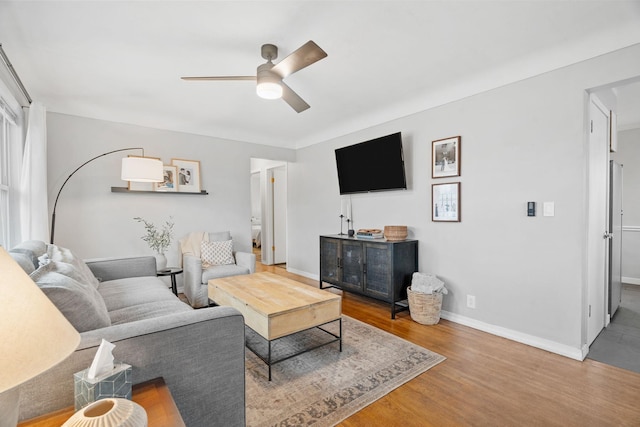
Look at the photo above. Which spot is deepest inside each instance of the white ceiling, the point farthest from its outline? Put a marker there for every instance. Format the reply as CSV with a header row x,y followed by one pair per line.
x,y
122,60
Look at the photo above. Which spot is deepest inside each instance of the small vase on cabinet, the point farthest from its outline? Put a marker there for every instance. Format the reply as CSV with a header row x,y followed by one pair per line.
x,y
161,261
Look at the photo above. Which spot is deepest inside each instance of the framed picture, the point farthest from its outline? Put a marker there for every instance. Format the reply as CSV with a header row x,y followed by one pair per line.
x,y
141,186
170,175
445,202
445,157
188,175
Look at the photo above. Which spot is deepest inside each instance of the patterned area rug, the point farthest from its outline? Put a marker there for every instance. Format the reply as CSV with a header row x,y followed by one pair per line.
x,y
324,386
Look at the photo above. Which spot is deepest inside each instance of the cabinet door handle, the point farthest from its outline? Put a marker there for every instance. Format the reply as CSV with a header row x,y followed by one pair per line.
x,y
364,268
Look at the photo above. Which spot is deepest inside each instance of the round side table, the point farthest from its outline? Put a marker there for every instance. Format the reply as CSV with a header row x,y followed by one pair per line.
x,y
171,271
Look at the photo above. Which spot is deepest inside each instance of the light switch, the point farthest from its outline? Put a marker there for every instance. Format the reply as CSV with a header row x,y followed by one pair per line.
x,y
548,209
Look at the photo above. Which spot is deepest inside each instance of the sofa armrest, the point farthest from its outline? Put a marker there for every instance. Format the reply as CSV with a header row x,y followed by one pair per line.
x,y
106,269
246,259
192,269
200,355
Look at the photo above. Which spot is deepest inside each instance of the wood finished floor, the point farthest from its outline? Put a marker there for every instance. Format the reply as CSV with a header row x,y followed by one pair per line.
x,y
491,381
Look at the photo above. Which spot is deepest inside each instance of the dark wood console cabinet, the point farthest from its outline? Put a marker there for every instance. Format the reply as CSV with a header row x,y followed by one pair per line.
x,y
375,268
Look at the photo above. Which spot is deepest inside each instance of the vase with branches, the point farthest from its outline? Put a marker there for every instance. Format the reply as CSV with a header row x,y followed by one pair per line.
x,y
158,238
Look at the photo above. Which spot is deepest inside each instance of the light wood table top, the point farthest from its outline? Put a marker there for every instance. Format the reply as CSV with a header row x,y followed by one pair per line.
x,y
154,396
275,306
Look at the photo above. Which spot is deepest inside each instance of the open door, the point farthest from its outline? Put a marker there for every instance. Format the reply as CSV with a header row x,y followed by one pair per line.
x,y
598,235
615,241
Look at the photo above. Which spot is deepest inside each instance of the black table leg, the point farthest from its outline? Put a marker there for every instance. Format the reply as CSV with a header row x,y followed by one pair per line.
x,y
174,287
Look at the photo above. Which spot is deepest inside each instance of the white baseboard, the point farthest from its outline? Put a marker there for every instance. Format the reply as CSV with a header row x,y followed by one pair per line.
x,y
631,280
552,346
303,273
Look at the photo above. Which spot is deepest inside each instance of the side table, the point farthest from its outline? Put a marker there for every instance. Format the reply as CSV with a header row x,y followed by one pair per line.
x,y
154,396
171,271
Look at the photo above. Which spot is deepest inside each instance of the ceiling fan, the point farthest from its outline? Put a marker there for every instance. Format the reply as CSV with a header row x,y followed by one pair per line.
x,y
269,76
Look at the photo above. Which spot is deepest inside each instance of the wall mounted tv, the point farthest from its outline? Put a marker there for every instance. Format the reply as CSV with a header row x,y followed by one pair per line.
x,y
374,165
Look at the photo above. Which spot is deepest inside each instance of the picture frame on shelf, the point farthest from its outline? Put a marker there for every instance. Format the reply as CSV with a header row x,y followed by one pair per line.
x,y
188,175
445,202
170,183
141,186
445,157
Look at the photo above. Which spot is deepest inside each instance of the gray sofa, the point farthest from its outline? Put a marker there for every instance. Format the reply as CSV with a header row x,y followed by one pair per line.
x,y
199,353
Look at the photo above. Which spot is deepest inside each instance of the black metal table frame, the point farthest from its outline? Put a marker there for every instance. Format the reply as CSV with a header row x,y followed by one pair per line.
x,y
396,305
171,271
269,362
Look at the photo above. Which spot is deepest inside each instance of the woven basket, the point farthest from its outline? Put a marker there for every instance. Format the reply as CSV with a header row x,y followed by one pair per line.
x,y
395,232
424,308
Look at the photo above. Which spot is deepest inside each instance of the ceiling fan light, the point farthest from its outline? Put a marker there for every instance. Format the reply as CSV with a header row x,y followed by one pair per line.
x,y
269,90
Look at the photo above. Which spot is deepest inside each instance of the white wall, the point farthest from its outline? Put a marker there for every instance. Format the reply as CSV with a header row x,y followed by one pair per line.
x,y
95,222
629,156
522,142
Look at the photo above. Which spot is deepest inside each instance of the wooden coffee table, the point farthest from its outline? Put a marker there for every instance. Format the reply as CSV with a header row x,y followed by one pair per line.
x,y
275,307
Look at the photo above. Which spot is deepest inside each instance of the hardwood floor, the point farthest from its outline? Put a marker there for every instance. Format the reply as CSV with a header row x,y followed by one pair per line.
x,y
491,381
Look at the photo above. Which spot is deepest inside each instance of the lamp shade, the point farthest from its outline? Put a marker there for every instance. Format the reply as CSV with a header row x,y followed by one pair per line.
x,y
141,169
269,90
35,336
268,86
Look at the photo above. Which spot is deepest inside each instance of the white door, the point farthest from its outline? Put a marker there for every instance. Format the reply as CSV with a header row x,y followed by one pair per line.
x,y
597,241
279,215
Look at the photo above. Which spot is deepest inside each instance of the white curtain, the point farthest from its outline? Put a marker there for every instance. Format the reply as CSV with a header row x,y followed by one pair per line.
x,y
34,212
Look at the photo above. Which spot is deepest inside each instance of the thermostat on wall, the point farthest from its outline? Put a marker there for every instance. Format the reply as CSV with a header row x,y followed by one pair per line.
x,y
531,208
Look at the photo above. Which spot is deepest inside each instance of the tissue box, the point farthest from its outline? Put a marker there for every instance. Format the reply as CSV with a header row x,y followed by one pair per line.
x,y
116,383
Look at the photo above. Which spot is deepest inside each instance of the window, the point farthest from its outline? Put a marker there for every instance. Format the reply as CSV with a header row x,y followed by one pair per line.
x,y
9,132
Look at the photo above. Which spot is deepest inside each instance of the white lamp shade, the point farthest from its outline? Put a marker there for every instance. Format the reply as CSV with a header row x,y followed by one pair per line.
x,y
35,336
269,90
141,169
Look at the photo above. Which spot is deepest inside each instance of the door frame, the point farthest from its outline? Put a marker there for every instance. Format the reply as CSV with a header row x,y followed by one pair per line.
x,y
616,212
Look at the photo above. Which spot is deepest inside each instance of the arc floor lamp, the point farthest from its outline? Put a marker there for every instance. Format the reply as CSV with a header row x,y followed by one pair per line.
x,y
134,168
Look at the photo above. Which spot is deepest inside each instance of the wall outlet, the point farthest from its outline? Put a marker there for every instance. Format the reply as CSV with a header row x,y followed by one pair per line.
x,y
471,301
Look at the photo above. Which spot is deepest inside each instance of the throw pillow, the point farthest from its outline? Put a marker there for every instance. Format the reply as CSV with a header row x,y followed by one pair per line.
x,y
216,253
81,304
60,254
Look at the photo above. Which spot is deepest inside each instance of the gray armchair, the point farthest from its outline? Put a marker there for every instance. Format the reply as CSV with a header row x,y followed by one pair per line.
x,y
196,278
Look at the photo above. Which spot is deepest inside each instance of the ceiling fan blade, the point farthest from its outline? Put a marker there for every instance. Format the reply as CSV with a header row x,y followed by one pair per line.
x,y
293,99
306,55
221,78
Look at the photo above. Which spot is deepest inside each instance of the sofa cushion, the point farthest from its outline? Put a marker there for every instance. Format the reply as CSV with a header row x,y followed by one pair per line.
x,y
219,271
216,253
60,254
131,291
79,303
147,310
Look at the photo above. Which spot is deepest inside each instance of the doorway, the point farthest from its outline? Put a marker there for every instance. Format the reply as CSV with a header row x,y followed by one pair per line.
x,y
269,211
618,343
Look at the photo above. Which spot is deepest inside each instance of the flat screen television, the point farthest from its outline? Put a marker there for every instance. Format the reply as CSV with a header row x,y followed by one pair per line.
x,y
374,165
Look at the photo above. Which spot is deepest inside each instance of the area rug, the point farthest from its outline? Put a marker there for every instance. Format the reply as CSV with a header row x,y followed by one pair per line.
x,y
325,386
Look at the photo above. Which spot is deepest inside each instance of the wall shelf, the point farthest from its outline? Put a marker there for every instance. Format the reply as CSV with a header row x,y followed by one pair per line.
x,y
126,190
